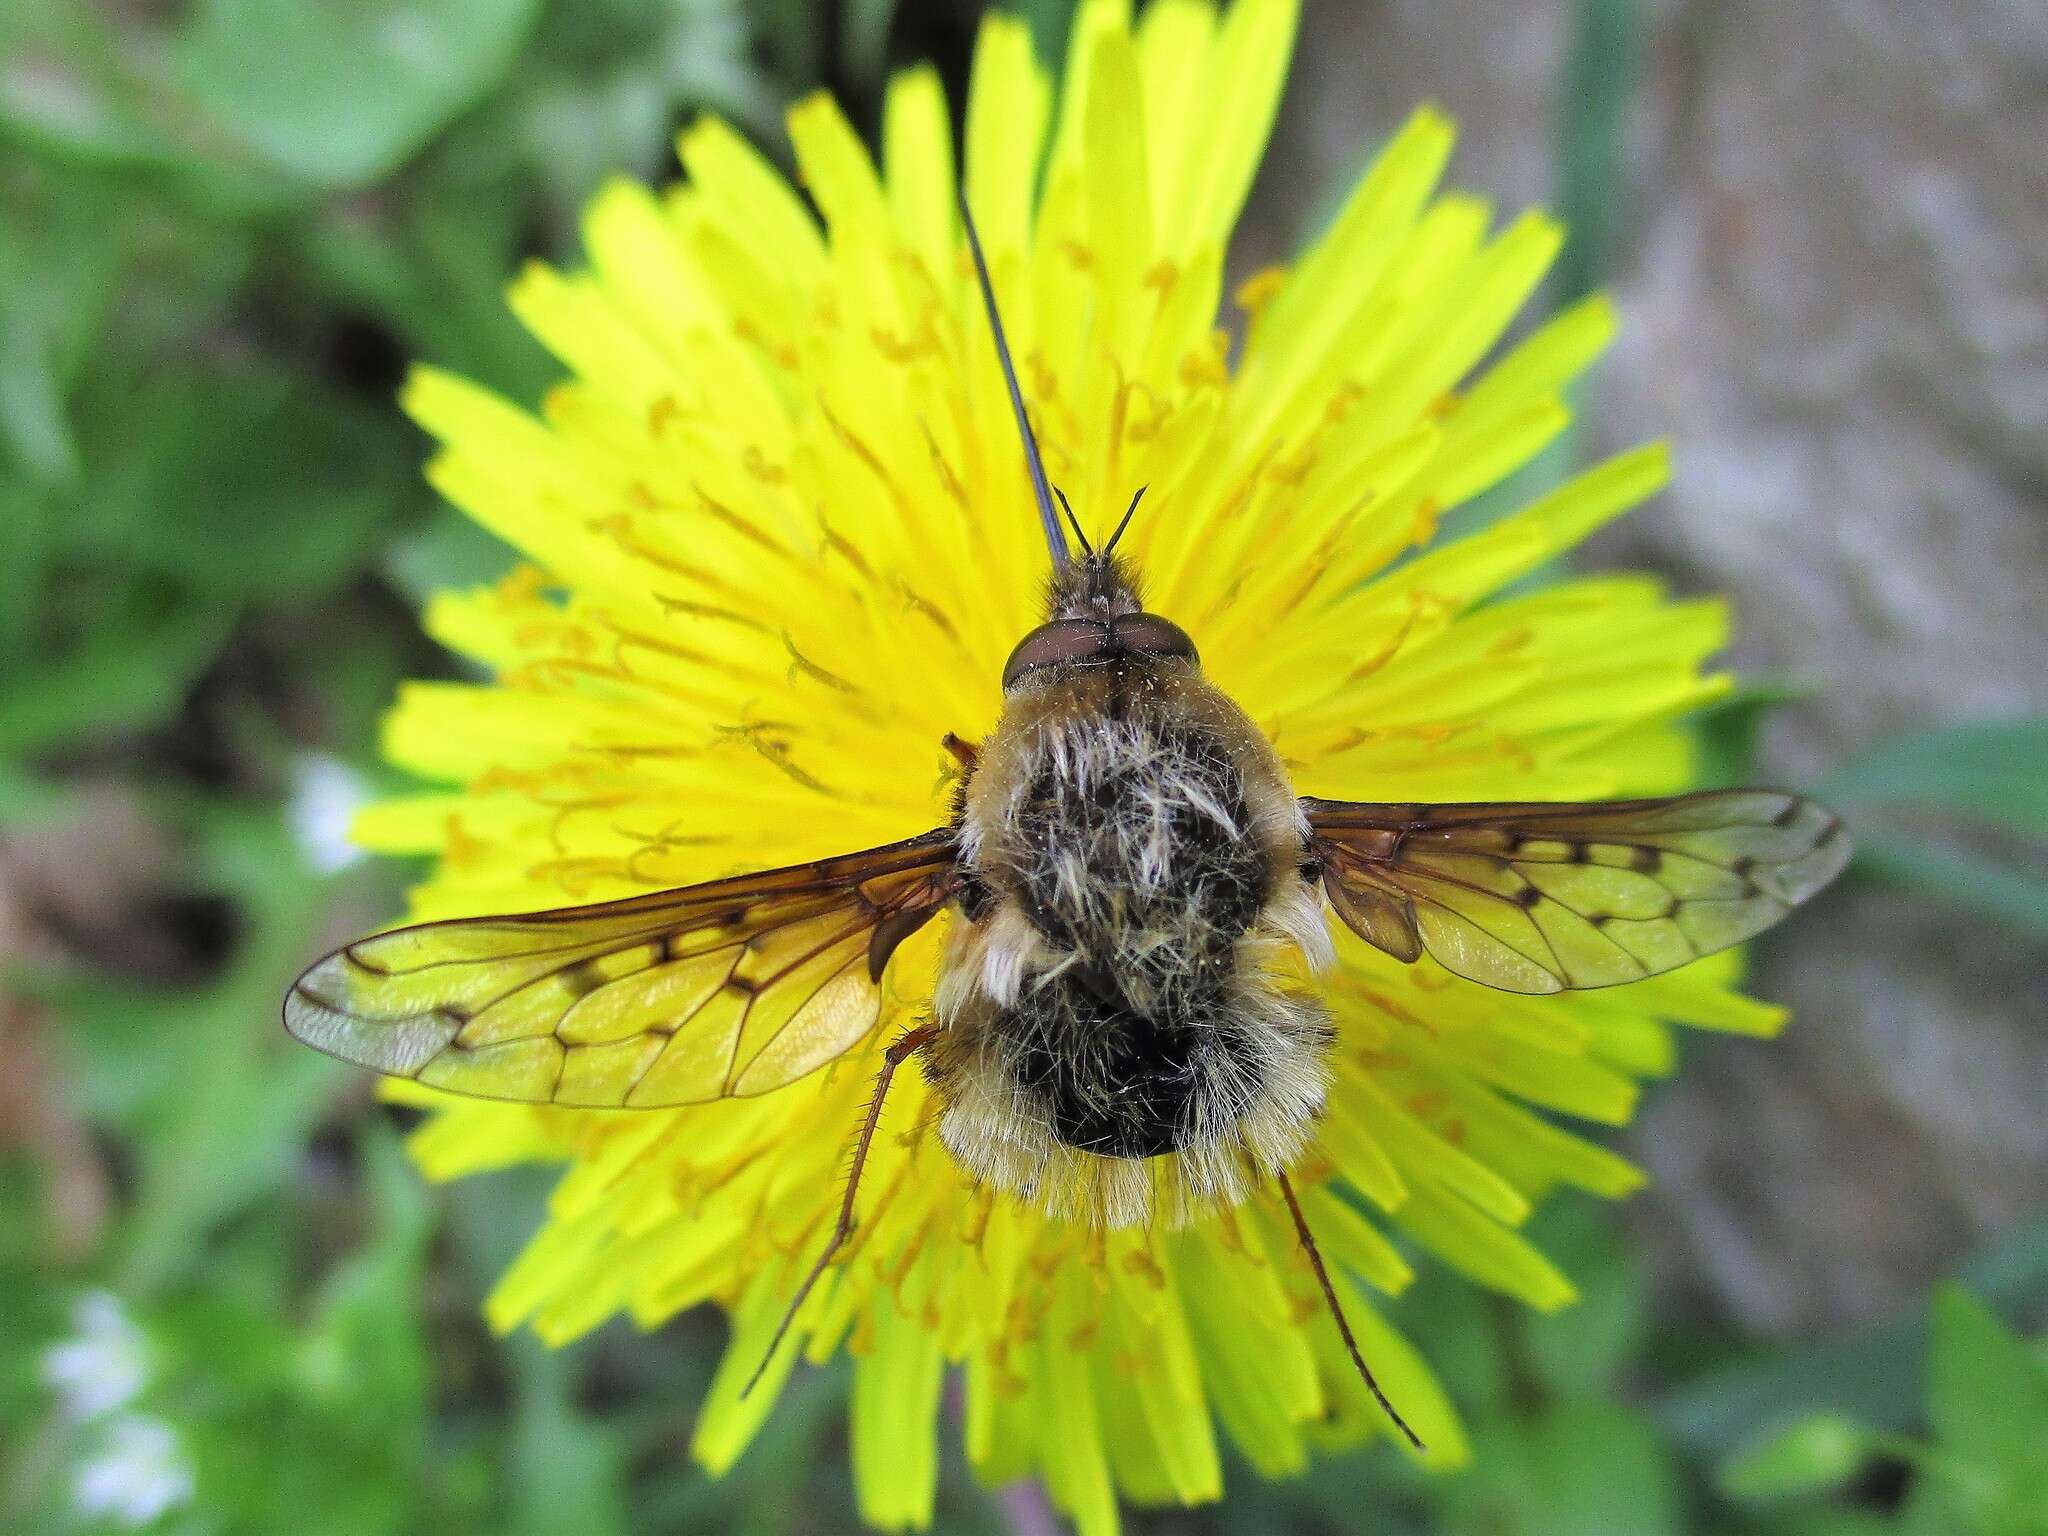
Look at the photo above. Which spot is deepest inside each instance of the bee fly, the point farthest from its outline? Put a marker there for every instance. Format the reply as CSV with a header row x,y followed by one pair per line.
x,y
1121,1024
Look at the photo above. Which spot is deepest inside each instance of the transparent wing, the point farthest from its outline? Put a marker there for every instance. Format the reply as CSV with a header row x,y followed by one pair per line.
x,y
1541,897
727,989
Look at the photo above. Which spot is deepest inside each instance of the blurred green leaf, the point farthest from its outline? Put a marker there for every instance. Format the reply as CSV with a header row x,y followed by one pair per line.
x,y
437,280
28,799
32,418
218,1102
791,39
1583,1349
615,78
239,1110
1729,730
1050,21
1962,877
564,1470
320,1429
242,484
567,1472
1807,1521
1990,770
1597,92
1984,777
130,672
448,550
87,124
341,94
1812,1455
865,38
356,1347
81,126
1871,1376
59,266
1577,1469
24,513
1987,1405
793,1460
65,90
1466,1331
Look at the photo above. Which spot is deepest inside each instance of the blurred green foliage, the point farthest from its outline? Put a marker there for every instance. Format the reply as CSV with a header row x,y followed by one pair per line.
x,y
1983,1465
1960,812
231,1307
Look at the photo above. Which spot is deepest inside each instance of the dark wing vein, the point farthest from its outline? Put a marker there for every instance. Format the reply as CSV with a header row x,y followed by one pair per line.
x,y
733,987
1540,897
775,978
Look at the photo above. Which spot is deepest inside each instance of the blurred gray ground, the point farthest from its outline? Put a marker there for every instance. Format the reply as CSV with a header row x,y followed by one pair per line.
x,y
1832,265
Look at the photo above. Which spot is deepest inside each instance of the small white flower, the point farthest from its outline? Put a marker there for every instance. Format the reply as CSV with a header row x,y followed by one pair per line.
x,y
137,1474
326,794
103,1366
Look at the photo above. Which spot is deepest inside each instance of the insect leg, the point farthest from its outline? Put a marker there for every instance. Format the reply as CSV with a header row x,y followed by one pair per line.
x,y
966,751
1315,1260
892,1058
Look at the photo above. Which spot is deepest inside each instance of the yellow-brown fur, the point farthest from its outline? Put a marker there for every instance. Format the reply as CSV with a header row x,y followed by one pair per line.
x,y
1121,1032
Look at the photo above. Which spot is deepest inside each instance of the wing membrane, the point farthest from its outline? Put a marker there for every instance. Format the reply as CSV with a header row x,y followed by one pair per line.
x,y
1531,896
727,989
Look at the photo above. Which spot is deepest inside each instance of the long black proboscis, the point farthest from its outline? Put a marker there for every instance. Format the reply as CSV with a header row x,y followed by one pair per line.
x,y
1055,536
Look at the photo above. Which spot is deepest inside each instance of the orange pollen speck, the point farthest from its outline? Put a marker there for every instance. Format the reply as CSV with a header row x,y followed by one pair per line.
x,y
1260,289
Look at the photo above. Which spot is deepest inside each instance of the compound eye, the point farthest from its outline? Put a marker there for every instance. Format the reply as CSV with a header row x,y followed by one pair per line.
x,y
1061,642
1147,634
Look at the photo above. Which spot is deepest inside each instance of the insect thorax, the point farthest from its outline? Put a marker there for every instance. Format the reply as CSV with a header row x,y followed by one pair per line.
x,y
1116,996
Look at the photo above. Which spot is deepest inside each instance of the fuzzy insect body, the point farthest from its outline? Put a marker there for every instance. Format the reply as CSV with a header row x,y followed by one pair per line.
x,y
1124,982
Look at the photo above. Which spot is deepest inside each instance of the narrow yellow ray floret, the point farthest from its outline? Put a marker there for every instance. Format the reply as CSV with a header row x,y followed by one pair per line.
x,y
778,543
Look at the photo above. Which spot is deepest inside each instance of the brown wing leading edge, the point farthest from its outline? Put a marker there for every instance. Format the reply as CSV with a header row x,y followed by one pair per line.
x,y
726,989
1543,897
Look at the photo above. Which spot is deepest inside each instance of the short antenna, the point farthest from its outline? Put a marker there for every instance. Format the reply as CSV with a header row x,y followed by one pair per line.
x,y
1074,522
1055,538
1136,497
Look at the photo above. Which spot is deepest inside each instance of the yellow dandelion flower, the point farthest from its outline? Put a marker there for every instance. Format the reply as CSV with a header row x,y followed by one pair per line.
x,y
780,546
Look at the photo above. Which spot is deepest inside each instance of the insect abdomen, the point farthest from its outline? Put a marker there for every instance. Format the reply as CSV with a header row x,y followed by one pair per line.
x,y
1119,1083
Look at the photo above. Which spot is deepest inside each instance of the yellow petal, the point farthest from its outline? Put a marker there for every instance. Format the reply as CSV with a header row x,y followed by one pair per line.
x,y
895,1405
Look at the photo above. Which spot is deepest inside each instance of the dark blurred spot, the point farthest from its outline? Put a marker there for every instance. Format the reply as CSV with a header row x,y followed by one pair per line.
x,y
200,928
362,355
1881,1485
942,34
